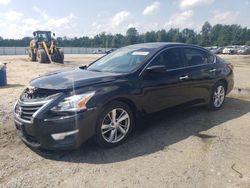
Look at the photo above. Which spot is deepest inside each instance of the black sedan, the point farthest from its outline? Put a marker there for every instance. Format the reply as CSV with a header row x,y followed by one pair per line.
x,y
63,109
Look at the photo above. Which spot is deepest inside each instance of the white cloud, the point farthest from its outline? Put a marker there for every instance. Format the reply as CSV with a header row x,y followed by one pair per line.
x,y
247,2
149,26
151,9
12,15
181,20
63,22
41,12
120,18
119,23
5,2
224,17
187,4
13,26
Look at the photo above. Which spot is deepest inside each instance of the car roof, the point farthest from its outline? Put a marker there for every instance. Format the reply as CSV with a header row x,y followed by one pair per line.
x,y
160,45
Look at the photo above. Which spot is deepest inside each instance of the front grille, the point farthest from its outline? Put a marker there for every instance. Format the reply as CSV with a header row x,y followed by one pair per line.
x,y
37,93
31,100
25,110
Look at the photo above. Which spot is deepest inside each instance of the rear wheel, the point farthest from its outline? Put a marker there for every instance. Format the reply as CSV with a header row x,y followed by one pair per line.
x,y
114,125
41,56
62,56
218,96
58,56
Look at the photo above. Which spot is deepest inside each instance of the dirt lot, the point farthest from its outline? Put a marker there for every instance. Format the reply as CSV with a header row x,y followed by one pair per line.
x,y
190,148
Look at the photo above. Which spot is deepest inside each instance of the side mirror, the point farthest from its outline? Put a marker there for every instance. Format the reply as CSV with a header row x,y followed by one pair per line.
x,y
156,69
34,34
54,34
84,67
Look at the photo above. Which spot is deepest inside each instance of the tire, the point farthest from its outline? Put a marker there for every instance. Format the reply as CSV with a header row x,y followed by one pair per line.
x,y
41,56
218,96
32,55
106,127
58,56
62,56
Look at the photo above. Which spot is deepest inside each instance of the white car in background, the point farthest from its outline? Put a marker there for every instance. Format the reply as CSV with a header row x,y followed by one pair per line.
x,y
244,50
215,50
229,50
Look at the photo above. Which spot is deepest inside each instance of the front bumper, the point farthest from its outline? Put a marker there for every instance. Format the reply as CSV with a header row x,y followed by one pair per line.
x,y
56,133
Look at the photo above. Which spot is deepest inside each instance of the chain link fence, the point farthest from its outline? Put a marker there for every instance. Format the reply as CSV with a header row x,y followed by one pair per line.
x,y
67,50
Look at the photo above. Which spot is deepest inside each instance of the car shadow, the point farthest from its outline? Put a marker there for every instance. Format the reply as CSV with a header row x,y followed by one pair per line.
x,y
11,86
158,132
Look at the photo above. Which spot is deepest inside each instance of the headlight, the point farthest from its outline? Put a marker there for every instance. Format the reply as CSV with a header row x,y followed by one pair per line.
x,y
74,103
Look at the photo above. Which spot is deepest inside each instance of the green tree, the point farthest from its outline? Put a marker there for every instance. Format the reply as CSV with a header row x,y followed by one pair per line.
x,y
161,36
118,41
173,35
189,36
132,35
150,36
220,35
206,34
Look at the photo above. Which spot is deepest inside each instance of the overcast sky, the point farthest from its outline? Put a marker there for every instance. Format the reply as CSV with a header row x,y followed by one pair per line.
x,y
19,18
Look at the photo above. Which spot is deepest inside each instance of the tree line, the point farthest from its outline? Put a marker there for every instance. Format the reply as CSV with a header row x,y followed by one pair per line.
x,y
217,35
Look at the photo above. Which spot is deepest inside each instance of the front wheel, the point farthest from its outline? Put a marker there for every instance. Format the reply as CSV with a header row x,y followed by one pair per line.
x,y
41,56
114,125
218,96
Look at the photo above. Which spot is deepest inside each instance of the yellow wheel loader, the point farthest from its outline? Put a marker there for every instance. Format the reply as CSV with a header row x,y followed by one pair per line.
x,y
43,48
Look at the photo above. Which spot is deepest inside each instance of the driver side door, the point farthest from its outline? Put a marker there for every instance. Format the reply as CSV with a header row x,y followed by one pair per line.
x,y
167,88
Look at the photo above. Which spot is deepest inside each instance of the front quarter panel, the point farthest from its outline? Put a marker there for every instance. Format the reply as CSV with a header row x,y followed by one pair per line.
x,y
119,89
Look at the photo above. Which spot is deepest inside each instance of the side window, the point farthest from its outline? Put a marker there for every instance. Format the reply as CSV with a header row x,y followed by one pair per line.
x,y
195,57
210,58
171,58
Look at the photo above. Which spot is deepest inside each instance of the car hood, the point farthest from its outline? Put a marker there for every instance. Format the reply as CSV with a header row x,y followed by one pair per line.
x,y
71,78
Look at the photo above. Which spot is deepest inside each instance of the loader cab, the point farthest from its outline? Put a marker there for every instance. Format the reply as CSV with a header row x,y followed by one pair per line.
x,y
40,36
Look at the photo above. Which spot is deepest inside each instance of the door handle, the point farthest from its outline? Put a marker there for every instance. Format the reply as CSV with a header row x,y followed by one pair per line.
x,y
212,70
184,77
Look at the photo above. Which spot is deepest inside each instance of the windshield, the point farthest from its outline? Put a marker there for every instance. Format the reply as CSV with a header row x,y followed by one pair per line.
x,y
123,60
43,37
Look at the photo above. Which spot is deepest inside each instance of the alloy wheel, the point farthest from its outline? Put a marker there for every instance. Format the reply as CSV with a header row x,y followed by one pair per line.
x,y
115,125
219,96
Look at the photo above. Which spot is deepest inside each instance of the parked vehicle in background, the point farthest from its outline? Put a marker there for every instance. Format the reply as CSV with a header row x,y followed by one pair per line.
x,y
63,109
229,50
110,51
243,50
99,51
216,50
44,48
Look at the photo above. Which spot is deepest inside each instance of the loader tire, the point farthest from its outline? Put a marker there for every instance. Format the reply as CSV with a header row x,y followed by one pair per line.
x,y
32,55
41,56
62,56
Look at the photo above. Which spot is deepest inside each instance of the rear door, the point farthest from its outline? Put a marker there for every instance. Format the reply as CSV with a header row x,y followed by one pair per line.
x,y
201,69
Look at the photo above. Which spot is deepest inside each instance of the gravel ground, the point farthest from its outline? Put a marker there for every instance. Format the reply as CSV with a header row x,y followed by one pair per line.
x,y
188,148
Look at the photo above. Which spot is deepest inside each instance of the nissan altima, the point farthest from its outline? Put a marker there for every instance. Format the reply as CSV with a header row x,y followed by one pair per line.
x,y
63,109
